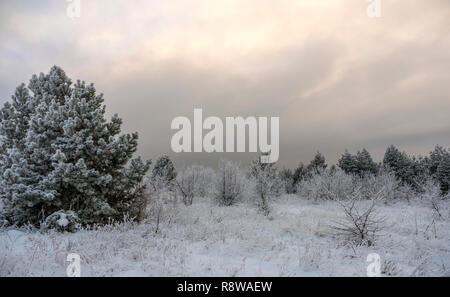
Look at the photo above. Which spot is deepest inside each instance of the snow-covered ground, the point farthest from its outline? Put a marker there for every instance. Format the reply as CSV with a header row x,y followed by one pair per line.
x,y
207,240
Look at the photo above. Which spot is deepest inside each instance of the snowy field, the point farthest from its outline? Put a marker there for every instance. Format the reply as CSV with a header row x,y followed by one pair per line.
x,y
207,240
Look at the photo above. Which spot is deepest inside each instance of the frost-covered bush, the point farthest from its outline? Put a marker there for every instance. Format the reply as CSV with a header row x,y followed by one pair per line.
x,y
384,185
286,177
194,181
429,190
187,182
431,194
388,184
266,182
205,181
60,152
230,183
327,185
62,220
405,192
335,184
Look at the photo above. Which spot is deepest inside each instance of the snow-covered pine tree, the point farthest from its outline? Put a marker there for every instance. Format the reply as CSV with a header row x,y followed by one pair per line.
x,y
392,158
164,173
14,120
443,174
64,154
14,117
365,163
317,164
420,170
348,163
436,157
300,173
361,164
402,165
287,178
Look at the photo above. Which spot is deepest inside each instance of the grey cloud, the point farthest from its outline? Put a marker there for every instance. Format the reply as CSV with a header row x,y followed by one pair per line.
x,y
328,96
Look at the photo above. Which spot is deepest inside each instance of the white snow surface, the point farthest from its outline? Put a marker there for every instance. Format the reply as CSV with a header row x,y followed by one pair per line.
x,y
208,240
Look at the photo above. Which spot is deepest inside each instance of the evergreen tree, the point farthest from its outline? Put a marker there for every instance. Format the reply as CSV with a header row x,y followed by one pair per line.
x,y
392,158
287,177
420,169
317,164
62,154
443,174
333,169
436,157
365,164
348,163
300,174
164,173
14,124
402,166
14,118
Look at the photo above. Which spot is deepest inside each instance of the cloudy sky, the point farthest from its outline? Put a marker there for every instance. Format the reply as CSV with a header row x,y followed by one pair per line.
x,y
336,78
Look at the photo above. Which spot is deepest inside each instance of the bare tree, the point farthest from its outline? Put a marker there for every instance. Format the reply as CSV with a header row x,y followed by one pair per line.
x,y
194,181
186,181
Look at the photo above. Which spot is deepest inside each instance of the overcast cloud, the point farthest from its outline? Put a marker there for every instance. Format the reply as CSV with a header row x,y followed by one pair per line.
x,y
336,78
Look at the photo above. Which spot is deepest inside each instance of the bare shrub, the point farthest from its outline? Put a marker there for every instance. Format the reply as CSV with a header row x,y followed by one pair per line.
x,y
337,185
360,224
388,184
229,183
384,184
161,205
194,181
430,193
186,182
205,180
266,183
160,192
